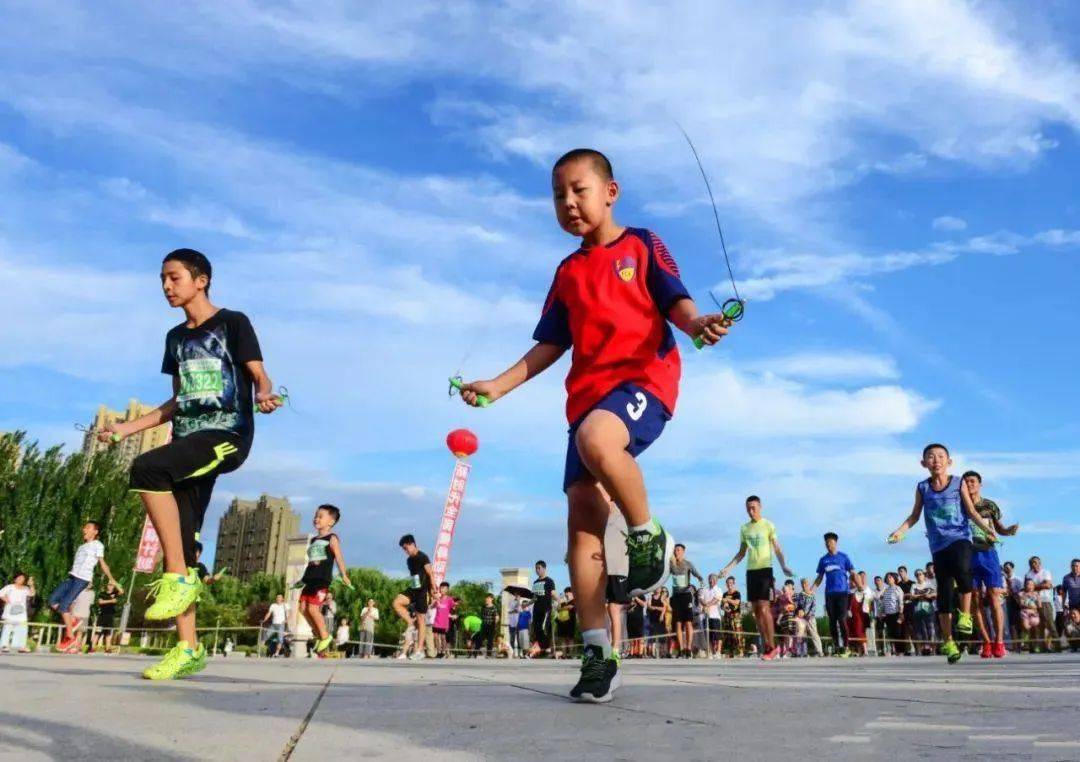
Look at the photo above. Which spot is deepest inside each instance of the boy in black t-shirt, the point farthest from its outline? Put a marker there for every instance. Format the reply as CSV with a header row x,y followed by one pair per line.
x,y
543,597
323,551
214,360
489,625
412,605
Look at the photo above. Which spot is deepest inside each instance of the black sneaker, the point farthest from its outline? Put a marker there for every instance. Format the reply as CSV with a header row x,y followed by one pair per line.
x,y
650,560
599,677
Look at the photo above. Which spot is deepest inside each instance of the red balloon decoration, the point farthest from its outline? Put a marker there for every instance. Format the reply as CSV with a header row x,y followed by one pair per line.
x,y
462,443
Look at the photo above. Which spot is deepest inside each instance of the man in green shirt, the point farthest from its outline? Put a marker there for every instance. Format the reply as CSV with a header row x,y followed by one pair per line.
x,y
757,543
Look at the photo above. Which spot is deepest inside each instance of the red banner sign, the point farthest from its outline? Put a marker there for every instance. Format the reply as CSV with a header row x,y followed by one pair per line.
x,y
451,510
149,548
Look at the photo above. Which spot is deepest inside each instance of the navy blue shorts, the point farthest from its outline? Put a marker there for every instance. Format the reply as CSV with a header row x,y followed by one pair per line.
x,y
66,592
641,411
986,569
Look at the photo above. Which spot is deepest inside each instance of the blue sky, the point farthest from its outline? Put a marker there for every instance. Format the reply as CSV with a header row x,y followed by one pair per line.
x,y
896,181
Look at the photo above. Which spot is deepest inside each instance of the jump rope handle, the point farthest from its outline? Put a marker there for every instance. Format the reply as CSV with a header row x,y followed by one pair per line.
x,y
481,400
733,310
281,398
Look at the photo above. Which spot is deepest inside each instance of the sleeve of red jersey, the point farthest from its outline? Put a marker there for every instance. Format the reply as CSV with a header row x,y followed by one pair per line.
x,y
663,278
554,325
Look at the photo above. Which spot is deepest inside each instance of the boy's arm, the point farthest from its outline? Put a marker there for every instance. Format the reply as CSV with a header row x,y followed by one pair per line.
x,y
738,558
105,568
159,415
339,559
817,581
431,578
265,398
780,557
538,359
696,573
709,328
910,521
973,515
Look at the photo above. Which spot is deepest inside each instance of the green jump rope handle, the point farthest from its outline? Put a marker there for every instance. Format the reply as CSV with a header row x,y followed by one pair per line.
x,y
733,310
281,399
115,439
481,400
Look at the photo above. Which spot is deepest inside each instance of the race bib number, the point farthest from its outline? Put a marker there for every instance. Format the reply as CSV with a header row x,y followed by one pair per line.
x,y
200,379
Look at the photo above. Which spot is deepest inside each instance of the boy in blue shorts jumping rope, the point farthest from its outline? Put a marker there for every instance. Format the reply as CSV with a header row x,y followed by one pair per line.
x,y
611,301
214,360
986,577
946,506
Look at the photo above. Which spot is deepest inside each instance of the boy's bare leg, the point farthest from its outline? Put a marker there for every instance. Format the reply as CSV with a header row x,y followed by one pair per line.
x,y
401,608
764,622
315,619
165,516
615,616
587,520
601,440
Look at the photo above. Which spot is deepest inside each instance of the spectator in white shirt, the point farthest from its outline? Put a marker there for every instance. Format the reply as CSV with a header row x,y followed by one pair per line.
x,y
1044,584
16,598
710,601
368,617
278,615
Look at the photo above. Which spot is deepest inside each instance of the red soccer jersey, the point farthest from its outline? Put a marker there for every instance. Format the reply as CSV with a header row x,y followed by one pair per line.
x,y
610,303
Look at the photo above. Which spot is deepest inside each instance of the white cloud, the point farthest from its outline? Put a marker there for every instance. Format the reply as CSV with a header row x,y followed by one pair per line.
x,y
727,403
827,366
948,223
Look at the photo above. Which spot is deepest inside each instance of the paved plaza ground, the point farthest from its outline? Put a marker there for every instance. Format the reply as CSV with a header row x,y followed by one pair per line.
x,y
96,707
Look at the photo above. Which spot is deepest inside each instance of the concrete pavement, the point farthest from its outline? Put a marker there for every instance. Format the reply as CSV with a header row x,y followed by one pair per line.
x,y
96,707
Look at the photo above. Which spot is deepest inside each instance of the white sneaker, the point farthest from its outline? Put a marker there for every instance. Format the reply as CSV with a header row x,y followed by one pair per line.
x,y
401,656
418,656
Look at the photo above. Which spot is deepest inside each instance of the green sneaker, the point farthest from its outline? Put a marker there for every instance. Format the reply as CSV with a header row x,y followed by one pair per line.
x,y
951,651
649,554
173,595
963,623
181,661
322,645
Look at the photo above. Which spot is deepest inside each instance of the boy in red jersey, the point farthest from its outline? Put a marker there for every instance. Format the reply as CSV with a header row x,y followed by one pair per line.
x,y
611,301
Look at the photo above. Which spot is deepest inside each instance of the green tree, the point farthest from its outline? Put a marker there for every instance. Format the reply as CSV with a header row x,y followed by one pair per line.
x,y
46,497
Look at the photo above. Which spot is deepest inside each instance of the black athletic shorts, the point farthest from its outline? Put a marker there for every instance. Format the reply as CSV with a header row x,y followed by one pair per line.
x,y
617,590
418,600
188,467
759,584
715,627
952,564
682,607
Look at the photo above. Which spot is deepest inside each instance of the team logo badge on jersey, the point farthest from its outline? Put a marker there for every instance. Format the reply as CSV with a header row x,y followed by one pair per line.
x,y
626,267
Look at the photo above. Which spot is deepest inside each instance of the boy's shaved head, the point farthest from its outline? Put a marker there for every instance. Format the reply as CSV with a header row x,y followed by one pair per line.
x,y
600,162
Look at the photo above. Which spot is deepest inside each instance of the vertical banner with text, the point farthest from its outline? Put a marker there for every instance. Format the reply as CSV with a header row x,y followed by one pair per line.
x,y
149,547
451,510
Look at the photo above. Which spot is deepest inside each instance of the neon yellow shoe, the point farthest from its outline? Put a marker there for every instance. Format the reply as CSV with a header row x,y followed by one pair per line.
x,y
173,595
181,661
951,651
322,645
963,623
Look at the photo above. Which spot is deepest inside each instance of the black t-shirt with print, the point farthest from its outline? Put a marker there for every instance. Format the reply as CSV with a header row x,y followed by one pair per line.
x,y
215,392
320,562
489,615
542,589
420,578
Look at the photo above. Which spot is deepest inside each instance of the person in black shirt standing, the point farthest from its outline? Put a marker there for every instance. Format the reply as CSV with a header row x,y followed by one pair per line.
x,y
543,598
412,605
106,603
489,625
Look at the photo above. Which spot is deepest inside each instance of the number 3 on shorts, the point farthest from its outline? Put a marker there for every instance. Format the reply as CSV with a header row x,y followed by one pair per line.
x,y
635,411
